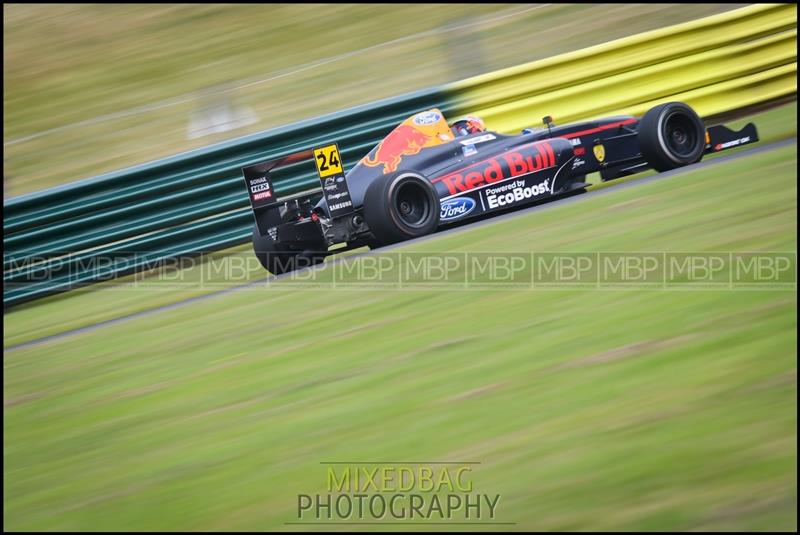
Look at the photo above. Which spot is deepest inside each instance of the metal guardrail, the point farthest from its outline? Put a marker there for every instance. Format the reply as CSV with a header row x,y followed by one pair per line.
x,y
196,201
716,64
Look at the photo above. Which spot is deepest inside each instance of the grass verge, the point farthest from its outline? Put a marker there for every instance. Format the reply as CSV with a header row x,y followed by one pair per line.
x,y
606,409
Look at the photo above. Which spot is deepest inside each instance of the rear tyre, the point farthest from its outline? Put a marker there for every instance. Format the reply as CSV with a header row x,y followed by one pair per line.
x,y
671,135
401,206
279,259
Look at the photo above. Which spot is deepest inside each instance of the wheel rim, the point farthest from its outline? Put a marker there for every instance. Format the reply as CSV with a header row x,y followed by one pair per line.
x,y
412,205
680,134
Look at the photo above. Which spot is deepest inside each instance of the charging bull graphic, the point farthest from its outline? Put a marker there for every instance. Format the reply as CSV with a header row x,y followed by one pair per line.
x,y
404,141
426,129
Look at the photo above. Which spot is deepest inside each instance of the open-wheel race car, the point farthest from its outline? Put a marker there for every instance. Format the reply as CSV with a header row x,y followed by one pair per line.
x,y
427,175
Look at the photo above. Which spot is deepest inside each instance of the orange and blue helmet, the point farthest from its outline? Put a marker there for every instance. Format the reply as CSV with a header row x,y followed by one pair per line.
x,y
468,125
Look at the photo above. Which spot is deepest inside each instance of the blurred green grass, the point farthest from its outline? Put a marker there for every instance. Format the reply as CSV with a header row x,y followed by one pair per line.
x,y
132,294
69,63
615,409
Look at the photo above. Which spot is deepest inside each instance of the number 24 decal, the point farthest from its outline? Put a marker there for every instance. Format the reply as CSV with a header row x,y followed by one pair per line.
x,y
323,166
328,160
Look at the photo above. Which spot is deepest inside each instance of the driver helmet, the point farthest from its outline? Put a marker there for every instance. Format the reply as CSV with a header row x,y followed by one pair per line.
x,y
468,125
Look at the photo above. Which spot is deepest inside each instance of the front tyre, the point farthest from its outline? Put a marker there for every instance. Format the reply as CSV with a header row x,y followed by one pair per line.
x,y
671,135
401,206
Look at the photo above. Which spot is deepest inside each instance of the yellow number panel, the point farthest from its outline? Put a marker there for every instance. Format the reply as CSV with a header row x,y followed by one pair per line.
x,y
328,161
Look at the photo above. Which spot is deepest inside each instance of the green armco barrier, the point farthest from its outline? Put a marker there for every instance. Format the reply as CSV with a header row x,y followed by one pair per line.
x,y
51,237
195,202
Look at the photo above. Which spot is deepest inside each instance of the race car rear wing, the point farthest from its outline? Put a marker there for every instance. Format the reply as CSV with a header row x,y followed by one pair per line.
x,y
261,191
264,200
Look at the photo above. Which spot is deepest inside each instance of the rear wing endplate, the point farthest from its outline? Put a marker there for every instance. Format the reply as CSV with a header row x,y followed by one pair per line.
x,y
261,190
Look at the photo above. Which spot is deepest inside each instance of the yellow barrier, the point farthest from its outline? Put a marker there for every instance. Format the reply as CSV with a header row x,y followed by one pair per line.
x,y
715,64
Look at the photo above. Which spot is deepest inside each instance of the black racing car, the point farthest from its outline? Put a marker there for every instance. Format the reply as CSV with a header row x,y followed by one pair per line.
x,y
422,177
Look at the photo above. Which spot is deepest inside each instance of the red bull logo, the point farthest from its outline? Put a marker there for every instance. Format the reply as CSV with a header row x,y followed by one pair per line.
x,y
534,158
405,140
